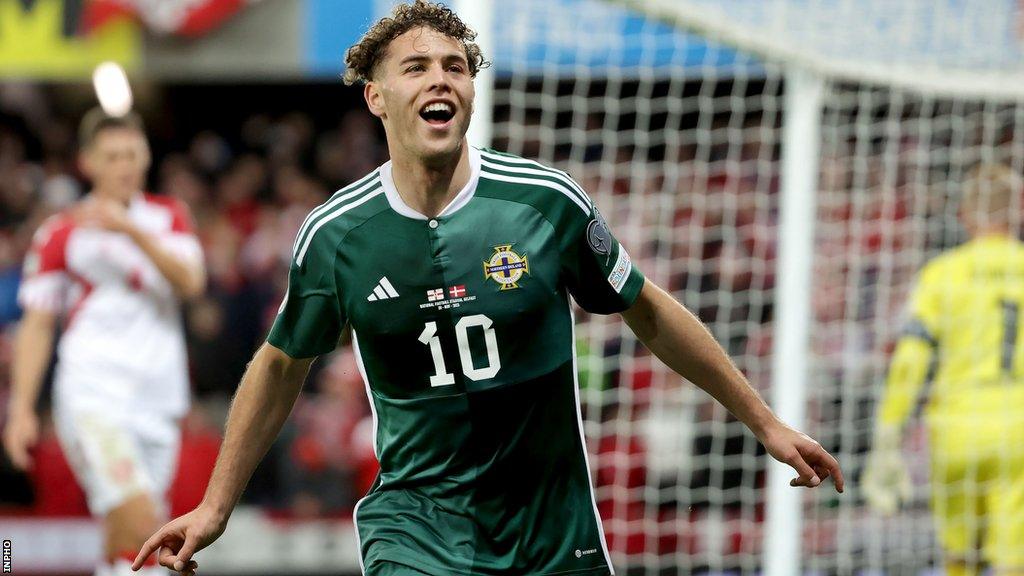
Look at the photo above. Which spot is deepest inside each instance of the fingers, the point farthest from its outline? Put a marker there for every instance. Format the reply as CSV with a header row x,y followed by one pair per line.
x,y
814,464
807,476
835,470
148,548
20,458
822,459
181,560
17,448
881,498
822,473
168,559
882,484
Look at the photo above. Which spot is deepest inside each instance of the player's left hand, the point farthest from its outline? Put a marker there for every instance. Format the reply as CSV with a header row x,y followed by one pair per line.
x,y
103,213
813,464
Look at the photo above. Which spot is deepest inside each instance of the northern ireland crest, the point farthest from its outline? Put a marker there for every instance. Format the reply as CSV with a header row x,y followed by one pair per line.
x,y
506,267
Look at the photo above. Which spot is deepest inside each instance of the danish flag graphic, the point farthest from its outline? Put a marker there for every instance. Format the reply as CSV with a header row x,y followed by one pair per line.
x,y
457,291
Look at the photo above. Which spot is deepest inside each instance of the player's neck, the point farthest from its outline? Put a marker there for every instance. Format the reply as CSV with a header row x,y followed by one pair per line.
x,y
428,187
110,196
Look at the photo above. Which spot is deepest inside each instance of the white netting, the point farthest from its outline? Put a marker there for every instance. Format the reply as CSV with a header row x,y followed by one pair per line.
x,y
893,165
673,123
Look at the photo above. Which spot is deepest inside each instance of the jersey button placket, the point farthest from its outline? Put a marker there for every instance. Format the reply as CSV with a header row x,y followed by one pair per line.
x,y
436,244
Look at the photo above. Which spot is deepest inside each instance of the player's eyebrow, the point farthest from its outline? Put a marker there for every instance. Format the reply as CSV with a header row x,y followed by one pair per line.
x,y
424,58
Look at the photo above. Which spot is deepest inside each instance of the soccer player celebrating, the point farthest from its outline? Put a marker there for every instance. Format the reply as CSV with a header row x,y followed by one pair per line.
x,y
454,266
962,355
123,260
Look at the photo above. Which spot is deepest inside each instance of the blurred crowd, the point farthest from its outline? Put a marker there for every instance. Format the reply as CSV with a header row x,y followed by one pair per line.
x,y
249,187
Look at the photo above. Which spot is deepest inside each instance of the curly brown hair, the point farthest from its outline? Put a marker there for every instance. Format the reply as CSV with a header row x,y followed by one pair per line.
x,y
361,59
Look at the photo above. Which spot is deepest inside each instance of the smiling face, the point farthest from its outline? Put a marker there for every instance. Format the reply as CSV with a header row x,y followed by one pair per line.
x,y
423,92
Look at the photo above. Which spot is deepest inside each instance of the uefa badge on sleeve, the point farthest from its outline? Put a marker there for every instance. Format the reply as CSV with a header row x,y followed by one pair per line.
x,y
598,237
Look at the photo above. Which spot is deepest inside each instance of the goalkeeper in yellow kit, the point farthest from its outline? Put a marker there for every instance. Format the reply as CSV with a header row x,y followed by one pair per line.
x,y
963,355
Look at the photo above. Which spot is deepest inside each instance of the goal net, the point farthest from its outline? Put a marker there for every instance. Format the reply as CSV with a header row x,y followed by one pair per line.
x,y
670,113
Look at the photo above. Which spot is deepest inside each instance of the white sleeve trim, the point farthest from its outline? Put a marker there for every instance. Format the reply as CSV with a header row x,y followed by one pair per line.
x,y
43,292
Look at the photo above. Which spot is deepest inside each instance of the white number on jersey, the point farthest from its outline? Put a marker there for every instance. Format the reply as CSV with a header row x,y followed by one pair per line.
x,y
443,377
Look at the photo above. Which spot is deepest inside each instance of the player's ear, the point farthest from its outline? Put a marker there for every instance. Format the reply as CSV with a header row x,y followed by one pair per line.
x,y
86,163
374,99
147,155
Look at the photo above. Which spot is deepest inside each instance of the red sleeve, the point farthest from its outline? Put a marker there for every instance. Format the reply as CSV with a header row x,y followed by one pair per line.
x,y
181,216
45,277
183,222
49,247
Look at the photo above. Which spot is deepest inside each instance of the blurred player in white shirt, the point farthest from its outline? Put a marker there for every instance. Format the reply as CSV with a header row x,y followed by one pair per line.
x,y
114,269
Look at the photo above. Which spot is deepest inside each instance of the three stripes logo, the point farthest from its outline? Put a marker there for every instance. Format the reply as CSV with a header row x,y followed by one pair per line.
x,y
382,291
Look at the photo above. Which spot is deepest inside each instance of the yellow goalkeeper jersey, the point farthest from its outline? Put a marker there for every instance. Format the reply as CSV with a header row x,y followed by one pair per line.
x,y
962,352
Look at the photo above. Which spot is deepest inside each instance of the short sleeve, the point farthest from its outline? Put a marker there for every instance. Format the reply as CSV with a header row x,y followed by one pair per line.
x,y
181,218
45,280
599,272
310,319
182,240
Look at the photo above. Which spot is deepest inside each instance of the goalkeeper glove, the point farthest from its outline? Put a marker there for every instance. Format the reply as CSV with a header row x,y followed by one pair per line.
x,y
885,481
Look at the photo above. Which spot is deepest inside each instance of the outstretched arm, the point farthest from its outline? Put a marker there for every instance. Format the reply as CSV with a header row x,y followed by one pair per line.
x,y
682,342
262,404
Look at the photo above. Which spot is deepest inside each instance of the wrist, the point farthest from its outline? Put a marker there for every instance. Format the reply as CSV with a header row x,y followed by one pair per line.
x,y
20,408
764,424
220,512
134,232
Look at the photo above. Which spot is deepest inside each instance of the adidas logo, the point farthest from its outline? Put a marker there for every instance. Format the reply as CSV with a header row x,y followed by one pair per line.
x,y
383,291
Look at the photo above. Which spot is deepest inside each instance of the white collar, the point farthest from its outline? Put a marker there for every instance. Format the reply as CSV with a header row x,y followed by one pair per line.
x,y
460,200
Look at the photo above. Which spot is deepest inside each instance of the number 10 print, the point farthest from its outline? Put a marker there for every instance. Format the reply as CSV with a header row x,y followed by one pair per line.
x,y
443,377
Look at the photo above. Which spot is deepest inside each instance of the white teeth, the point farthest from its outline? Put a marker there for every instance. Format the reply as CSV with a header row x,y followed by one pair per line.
x,y
439,107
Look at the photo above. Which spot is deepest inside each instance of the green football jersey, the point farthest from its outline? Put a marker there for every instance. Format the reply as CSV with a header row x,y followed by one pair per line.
x,y
463,329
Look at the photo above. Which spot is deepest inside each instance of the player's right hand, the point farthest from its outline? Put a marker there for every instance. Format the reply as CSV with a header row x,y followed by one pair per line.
x,y
885,481
180,538
20,434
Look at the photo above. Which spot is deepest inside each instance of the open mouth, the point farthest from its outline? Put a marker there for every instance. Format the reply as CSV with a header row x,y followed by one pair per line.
x,y
438,113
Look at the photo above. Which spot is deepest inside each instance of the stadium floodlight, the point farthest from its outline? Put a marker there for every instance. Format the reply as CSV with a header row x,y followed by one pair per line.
x,y
112,88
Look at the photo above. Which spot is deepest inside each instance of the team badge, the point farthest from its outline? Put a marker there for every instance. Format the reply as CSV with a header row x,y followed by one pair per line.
x,y
506,267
